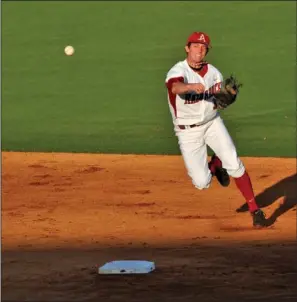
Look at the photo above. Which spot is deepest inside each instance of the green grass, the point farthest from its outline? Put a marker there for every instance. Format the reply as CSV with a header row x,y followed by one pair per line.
x,y
110,96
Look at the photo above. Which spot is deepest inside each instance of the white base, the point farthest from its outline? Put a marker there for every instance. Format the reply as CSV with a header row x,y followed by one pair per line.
x,y
127,267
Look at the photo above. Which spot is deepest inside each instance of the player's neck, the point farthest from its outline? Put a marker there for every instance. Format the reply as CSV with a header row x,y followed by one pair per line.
x,y
196,66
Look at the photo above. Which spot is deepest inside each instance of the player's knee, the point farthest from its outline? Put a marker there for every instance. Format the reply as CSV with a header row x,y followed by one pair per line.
x,y
202,183
237,169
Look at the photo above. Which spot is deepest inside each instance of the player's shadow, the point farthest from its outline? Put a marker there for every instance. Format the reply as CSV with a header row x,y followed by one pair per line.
x,y
285,188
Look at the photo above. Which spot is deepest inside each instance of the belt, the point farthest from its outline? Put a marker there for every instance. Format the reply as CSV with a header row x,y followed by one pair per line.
x,y
183,127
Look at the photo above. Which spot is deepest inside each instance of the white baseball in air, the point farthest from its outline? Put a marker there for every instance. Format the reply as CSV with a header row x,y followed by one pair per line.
x,y
69,50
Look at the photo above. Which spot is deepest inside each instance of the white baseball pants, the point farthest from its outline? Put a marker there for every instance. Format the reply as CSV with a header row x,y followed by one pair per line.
x,y
193,145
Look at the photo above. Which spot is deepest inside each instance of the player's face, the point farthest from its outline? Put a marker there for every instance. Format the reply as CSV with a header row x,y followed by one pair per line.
x,y
196,52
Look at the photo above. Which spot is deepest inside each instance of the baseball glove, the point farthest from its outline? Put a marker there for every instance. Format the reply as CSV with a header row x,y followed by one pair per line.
x,y
228,93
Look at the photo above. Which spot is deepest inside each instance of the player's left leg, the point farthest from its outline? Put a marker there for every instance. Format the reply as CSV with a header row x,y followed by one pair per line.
x,y
218,139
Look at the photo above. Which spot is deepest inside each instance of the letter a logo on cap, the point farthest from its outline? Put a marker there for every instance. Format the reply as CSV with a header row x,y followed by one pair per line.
x,y
201,38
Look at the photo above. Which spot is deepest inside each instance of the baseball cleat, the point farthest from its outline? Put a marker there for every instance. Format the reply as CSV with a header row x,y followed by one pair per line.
x,y
220,173
222,177
259,220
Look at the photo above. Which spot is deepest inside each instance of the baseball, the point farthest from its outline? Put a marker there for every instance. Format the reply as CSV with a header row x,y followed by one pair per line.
x,y
69,50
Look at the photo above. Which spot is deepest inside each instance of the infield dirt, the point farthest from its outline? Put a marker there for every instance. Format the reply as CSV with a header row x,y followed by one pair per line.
x,y
63,215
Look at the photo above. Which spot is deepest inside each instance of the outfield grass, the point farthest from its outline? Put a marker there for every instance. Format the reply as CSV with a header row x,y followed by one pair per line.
x,y
110,96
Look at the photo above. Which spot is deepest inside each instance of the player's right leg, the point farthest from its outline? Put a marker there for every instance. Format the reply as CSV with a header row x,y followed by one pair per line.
x,y
217,170
194,152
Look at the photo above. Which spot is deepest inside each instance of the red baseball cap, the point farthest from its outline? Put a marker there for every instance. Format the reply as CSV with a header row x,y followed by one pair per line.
x,y
199,37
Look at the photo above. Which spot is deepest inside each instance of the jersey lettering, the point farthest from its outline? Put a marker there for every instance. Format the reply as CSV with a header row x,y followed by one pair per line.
x,y
195,98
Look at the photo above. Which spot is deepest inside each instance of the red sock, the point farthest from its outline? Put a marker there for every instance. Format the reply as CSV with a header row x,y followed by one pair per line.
x,y
244,184
214,163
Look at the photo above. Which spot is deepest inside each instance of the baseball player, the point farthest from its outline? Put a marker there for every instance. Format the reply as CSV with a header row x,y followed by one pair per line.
x,y
192,87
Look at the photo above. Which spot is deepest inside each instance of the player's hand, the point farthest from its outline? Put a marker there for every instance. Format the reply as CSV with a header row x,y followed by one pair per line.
x,y
198,88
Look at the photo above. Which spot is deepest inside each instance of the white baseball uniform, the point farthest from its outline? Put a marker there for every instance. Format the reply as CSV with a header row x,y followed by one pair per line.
x,y
192,109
